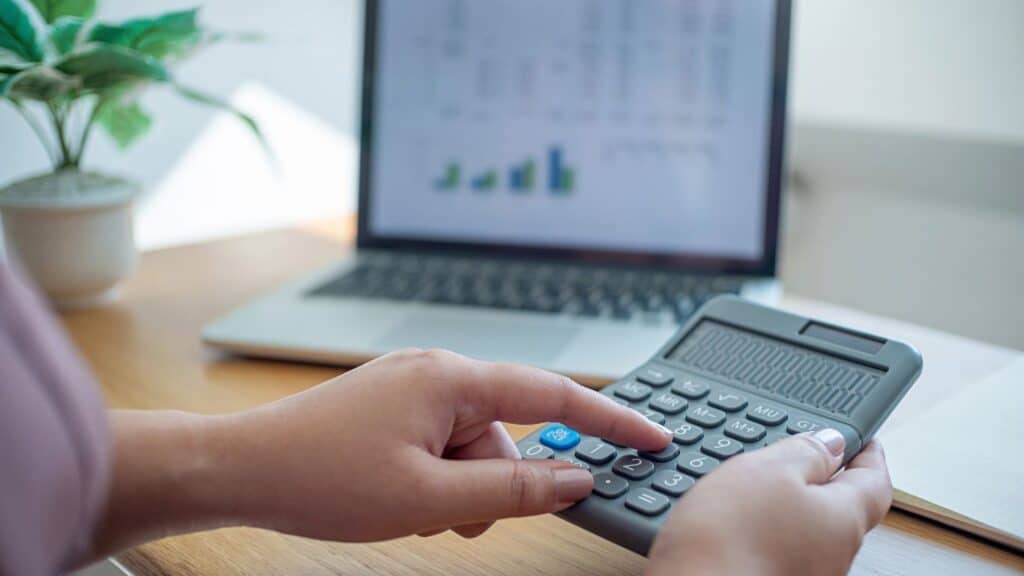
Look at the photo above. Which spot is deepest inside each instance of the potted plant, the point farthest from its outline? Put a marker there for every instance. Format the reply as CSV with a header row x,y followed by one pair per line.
x,y
66,74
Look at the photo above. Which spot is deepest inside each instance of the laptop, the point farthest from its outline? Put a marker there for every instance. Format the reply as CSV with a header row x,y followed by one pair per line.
x,y
559,184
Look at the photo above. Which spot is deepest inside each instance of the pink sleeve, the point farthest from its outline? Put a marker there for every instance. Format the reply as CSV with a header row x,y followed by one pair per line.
x,y
54,440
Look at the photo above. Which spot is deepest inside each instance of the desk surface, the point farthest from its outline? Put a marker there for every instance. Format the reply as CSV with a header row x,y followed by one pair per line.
x,y
146,352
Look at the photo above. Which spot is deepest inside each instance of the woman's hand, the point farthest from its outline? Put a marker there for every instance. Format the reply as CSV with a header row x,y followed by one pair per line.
x,y
780,510
408,444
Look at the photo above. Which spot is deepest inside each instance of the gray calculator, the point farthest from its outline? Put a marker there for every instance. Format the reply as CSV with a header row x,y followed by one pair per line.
x,y
735,378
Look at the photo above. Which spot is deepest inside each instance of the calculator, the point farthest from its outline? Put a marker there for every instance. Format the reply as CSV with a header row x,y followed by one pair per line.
x,y
737,377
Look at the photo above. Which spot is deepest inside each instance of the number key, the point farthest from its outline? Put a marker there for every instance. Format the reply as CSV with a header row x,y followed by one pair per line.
x,y
633,467
685,433
664,455
535,451
721,447
696,464
671,482
595,451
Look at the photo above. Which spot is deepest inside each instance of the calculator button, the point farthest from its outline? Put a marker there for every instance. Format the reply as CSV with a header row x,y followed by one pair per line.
x,y
685,433
633,467
664,455
652,415
767,415
621,402
609,486
704,416
668,403
647,502
559,437
721,447
595,451
800,425
744,431
534,451
692,389
654,377
633,391
671,482
728,401
574,462
696,464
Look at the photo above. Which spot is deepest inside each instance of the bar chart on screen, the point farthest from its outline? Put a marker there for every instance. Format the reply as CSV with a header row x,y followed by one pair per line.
x,y
580,112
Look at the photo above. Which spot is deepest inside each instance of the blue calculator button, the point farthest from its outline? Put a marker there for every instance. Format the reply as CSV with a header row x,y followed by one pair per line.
x,y
558,437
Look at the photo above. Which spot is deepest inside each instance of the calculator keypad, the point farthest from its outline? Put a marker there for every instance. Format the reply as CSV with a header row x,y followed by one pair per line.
x,y
710,423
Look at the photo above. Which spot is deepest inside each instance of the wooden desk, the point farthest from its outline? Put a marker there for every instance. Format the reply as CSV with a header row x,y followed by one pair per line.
x,y
146,352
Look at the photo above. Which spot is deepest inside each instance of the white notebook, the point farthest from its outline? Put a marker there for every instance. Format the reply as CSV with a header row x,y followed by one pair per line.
x,y
961,462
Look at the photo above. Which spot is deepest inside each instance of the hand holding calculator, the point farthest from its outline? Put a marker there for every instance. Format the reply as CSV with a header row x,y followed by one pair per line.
x,y
736,378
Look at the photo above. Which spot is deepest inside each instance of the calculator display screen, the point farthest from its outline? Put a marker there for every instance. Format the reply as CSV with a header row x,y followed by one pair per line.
x,y
780,368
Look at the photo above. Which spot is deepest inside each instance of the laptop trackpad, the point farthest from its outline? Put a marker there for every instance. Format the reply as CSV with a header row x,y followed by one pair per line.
x,y
531,342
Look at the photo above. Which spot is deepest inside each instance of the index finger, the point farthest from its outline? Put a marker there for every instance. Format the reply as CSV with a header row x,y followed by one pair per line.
x,y
527,395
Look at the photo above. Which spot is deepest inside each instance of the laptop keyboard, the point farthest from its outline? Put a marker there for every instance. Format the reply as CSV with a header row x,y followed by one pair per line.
x,y
627,295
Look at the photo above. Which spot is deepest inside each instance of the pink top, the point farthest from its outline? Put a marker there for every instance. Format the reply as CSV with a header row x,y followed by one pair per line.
x,y
54,440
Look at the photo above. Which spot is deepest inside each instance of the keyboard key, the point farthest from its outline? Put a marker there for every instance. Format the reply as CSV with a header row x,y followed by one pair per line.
x,y
767,415
744,431
654,377
721,447
633,391
704,416
609,486
534,451
646,502
692,389
574,462
696,464
664,455
671,482
621,402
652,415
633,467
559,437
595,451
801,425
668,403
728,401
685,433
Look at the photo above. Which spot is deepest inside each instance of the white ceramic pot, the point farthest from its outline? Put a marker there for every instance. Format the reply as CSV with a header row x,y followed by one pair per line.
x,y
72,232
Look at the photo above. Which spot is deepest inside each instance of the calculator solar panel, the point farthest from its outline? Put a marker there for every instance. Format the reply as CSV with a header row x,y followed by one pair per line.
x,y
736,378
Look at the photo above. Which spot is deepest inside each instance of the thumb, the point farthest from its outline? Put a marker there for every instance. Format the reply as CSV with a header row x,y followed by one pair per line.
x,y
814,456
501,488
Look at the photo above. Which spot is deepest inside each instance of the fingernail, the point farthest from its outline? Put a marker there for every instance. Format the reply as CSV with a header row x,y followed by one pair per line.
x,y
572,484
832,440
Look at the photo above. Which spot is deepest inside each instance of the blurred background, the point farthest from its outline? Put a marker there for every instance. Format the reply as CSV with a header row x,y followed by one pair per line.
x,y
906,189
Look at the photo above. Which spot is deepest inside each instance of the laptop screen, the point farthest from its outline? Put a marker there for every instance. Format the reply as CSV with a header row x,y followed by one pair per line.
x,y
619,128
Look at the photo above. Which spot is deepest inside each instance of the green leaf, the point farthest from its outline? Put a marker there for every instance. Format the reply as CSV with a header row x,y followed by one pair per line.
x,y
22,30
104,67
11,63
214,102
39,83
125,122
171,34
64,33
51,10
